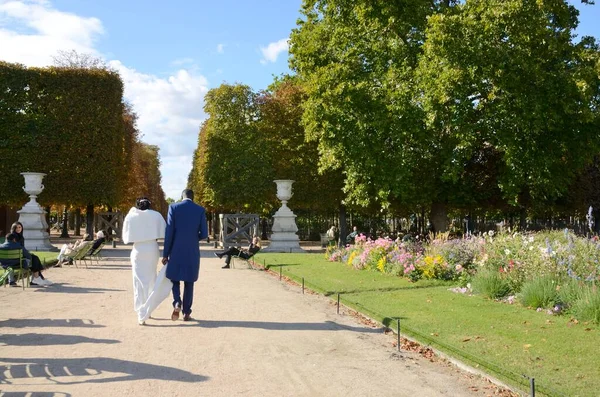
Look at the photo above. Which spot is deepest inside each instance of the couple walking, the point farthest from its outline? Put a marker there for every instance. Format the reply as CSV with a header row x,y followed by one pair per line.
x,y
185,227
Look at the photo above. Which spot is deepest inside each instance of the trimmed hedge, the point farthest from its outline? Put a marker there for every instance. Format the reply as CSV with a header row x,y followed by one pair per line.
x,y
67,123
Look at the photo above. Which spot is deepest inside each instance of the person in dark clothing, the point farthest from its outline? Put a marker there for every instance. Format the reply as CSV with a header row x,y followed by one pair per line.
x,y
100,239
10,243
36,265
252,249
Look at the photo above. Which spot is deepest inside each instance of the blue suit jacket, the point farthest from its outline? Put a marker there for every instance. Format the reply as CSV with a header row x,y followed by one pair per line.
x,y
186,226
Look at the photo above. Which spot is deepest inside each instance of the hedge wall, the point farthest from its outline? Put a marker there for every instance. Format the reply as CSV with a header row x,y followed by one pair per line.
x,y
67,123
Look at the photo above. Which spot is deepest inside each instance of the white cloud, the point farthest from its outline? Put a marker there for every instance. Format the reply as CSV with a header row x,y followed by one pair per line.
x,y
272,51
42,32
220,48
169,115
169,109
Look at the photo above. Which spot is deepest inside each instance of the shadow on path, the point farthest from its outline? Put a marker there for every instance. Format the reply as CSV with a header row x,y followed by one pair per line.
x,y
34,394
67,288
49,339
90,370
272,326
48,322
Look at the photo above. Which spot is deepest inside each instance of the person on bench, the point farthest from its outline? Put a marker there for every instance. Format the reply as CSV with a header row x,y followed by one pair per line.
x,y
252,249
36,264
68,249
11,243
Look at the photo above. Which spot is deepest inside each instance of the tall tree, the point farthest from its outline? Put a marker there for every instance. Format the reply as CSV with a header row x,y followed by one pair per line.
x,y
506,74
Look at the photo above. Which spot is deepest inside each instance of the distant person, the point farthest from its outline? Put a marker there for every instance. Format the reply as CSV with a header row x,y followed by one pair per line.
x,y
350,238
252,249
68,249
332,235
11,243
100,239
36,265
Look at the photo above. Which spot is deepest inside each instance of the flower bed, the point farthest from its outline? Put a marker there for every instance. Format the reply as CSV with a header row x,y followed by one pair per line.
x,y
495,266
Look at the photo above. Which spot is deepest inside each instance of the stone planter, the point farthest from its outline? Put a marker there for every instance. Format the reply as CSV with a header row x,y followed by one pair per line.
x,y
284,237
33,217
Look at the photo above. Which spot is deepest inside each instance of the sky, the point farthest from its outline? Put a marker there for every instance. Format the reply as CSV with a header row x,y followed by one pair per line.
x,y
169,54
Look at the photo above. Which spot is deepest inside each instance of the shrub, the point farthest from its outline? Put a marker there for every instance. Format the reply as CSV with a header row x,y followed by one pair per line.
x,y
540,292
570,292
490,284
587,307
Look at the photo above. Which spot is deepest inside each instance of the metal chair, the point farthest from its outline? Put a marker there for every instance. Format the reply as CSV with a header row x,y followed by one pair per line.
x,y
12,255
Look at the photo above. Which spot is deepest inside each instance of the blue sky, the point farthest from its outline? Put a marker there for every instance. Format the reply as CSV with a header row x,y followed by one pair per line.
x,y
169,54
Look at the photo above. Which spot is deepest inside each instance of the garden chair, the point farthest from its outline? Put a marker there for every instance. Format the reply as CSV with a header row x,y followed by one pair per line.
x,y
239,258
15,254
96,254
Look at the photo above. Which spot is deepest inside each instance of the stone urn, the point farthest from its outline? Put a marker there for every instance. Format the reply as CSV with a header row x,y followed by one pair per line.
x,y
284,237
33,217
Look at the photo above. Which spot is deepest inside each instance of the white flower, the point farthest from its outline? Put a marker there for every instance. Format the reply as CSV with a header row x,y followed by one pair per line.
x,y
507,252
491,233
531,239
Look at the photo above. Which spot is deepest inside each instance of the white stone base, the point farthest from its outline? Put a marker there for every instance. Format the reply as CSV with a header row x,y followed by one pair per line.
x,y
284,237
284,242
35,228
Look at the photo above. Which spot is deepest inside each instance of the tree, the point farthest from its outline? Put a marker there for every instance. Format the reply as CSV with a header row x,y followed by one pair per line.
x,y
231,171
506,74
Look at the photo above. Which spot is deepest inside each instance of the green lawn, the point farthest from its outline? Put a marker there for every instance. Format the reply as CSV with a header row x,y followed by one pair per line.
x,y
507,341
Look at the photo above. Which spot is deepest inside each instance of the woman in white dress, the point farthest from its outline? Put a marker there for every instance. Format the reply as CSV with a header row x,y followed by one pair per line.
x,y
143,227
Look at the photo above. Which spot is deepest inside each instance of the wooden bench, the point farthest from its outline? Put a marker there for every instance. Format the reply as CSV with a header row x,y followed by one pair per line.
x,y
11,255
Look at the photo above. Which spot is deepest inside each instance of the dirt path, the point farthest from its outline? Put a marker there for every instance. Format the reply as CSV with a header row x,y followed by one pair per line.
x,y
254,336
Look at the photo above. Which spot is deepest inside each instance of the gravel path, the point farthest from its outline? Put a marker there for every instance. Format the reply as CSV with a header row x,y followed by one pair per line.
x,y
253,335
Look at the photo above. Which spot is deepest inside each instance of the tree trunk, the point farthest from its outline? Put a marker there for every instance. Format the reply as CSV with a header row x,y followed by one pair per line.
x,y
523,218
439,217
65,224
78,222
109,230
343,227
71,218
89,220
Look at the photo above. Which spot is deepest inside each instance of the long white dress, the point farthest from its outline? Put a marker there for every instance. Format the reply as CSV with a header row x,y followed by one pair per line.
x,y
142,228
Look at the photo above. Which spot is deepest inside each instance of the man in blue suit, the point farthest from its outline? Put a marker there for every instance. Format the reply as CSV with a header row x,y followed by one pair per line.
x,y
186,226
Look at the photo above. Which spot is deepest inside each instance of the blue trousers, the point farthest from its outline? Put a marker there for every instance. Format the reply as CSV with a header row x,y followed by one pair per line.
x,y
188,295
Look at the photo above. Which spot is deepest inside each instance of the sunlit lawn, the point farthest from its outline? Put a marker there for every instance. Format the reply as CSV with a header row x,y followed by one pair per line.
x,y
507,341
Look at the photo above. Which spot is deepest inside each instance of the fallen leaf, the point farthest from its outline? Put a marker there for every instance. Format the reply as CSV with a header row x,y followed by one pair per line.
x,y
527,346
466,339
588,329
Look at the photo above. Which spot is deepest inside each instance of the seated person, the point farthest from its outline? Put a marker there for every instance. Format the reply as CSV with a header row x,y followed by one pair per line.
x,y
68,249
11,243
252,249
350,238
332,235
100,239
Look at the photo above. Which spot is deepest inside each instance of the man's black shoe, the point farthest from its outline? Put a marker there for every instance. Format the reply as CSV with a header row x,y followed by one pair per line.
x,y
13,284
225,267
217,255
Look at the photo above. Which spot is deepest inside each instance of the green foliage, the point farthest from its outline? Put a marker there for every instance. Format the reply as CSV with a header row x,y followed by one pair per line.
x,y
507,74
448,104
540,292
66,123
490,284
587,307
251,139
